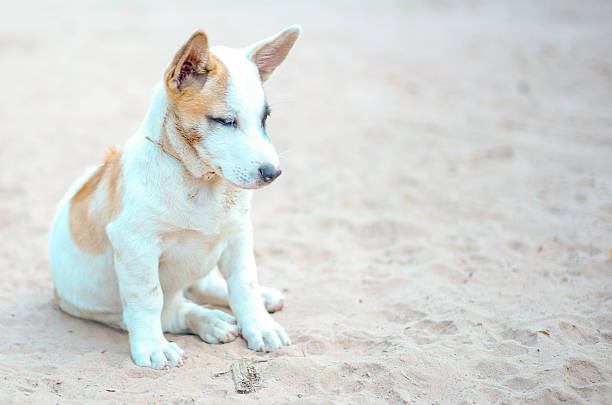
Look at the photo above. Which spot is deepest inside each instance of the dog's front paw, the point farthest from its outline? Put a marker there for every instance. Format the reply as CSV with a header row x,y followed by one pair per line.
x,y
263,333
159,355
272,299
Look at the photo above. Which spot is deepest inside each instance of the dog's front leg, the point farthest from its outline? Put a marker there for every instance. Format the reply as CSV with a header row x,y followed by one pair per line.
x,y
136,265
237,265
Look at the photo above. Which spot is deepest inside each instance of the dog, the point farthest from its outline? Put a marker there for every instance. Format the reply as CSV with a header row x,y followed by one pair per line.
x,y
163,226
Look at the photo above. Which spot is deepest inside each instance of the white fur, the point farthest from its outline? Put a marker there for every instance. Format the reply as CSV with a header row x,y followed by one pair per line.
x,y
172,231
238,153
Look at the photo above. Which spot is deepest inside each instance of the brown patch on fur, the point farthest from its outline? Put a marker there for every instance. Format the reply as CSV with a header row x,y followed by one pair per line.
x,y
201,89
190,135
196,87
194,103
97,203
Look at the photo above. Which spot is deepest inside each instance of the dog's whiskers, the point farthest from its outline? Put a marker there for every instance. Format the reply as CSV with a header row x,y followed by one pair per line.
x,y
289,101
283,154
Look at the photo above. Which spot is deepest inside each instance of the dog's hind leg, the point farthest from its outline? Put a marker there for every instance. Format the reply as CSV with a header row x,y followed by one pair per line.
x,y
212,289
212,325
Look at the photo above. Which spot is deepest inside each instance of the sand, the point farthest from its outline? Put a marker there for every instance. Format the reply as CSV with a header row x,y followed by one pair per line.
x,y
442,229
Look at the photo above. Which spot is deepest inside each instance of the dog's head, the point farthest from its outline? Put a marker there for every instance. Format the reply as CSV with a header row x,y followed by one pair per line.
x,y
218,110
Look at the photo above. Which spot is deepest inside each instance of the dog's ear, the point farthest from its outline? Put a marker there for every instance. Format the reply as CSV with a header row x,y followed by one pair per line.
x,y
271,52
189,66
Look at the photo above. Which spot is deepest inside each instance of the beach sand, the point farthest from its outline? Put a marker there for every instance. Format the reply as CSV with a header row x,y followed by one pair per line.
x,y
442,229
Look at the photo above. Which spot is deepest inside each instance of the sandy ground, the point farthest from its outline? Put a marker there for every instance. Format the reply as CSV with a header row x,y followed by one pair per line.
x,y
446,197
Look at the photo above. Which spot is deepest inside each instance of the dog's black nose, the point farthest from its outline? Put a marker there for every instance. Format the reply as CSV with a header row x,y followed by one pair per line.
x,y
269,172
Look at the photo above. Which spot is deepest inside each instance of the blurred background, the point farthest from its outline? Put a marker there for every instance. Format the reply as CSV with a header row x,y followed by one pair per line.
x,y
446,195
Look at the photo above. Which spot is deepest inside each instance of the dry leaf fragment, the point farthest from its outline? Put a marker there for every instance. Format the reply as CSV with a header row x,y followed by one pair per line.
x,y
544,332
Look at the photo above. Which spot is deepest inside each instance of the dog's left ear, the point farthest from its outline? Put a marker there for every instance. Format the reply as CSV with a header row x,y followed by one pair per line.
x,y
271,52
189,66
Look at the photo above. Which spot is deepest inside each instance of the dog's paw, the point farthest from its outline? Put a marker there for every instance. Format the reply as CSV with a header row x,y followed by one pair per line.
x,y
264,334
159,355
213,326
272,299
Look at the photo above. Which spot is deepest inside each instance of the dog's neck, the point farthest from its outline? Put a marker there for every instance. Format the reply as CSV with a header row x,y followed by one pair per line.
x,y
163,128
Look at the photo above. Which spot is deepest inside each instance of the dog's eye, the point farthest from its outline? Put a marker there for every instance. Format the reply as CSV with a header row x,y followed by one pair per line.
x,y
224,122
266,114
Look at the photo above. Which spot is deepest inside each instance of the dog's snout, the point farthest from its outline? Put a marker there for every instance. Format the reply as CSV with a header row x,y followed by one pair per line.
x,y
268,172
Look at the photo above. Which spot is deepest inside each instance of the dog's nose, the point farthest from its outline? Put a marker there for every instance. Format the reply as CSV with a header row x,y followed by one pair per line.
x,y
269,172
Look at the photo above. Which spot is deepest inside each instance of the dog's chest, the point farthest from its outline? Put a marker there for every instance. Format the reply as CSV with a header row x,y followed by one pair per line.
x,y
211,207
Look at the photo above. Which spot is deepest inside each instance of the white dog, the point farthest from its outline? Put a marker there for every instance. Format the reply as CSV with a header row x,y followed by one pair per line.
x,y
134,233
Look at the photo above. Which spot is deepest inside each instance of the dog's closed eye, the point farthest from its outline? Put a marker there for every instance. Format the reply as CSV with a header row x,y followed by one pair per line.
x,y
266,114
224,122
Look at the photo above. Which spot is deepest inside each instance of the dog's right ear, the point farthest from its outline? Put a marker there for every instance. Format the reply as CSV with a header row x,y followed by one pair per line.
x,y
271,52
189,67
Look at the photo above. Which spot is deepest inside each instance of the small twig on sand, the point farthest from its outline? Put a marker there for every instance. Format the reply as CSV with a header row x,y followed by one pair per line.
x,y
220,373
246,377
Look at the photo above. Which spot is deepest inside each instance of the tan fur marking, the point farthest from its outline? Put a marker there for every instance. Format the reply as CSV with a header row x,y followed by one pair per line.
x,y
191,135
194,103
196,87
96,204
204,89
